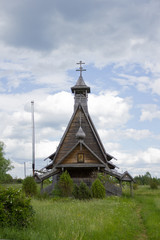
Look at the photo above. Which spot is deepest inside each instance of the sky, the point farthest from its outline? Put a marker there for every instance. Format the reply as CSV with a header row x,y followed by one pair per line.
x,y
40,44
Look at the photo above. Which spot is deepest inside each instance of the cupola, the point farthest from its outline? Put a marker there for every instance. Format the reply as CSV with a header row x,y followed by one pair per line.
x,y
81,91
80,135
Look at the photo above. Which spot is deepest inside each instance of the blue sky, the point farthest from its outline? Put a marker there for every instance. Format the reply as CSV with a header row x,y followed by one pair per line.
x,y
40,44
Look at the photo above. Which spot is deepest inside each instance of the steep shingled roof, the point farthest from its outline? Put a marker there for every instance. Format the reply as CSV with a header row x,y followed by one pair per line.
x,y
80,85
92,139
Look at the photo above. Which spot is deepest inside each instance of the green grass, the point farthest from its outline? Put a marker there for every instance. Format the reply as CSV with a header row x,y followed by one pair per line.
x,y
112,218
14,185
149,202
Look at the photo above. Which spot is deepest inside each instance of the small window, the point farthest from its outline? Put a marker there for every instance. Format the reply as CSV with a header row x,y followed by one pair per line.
x,y
80,157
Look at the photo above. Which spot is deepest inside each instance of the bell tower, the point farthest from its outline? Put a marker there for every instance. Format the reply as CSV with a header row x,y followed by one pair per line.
x,y
81,90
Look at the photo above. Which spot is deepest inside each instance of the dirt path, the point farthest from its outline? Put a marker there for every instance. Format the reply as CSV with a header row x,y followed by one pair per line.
x,y
143,234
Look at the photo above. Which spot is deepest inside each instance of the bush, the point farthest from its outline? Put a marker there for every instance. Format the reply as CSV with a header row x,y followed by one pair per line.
x,y
7,179
154,183
135,186
19,180
15,208
98,190
57,191
29,186
84,191
66,184
42,196
75,192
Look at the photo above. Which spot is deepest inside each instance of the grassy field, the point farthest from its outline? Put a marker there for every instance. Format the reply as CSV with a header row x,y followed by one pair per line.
x,y
113,218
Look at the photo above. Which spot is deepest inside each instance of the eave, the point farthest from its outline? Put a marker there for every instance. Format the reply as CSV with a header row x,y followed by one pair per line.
x,y
83,144
80,165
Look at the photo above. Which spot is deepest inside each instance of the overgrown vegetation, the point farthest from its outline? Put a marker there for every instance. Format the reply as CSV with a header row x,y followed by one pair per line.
x,y
65,184
98,189
146,179
109,218
29,186
5,165
15,208
148,202
66,188
82,192
153,183
106,178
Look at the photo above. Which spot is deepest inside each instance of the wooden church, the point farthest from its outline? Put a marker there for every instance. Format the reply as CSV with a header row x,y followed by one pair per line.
x,y
81,151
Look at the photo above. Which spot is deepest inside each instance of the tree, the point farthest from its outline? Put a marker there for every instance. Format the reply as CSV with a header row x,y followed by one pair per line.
x,y
5,164
98,189
29,186
66,184
154,183
84,191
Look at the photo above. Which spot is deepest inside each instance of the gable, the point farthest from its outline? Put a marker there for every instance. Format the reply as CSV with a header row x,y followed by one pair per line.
x,y
69,139
87,156
126,177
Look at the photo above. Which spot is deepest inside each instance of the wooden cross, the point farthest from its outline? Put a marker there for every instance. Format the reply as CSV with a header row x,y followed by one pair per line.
x,y
81,68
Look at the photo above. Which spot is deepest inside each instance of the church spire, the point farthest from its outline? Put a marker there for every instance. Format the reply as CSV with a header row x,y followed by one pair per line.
x,y
81,90
80,68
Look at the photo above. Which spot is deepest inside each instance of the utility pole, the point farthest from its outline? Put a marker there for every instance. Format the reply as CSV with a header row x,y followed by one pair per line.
x,y
33,138
24,170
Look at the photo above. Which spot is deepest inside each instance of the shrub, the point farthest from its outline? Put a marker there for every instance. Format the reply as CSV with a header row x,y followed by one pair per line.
x,y
84,191
135,186
15,208
66,184
7,178
42,196
29,186
75,192
19,180
57,191
154,183
98,190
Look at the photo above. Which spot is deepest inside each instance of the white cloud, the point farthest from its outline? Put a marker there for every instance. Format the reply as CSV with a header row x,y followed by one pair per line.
x,y
119,134
137,134
18,170
151,156
42,41
52,114
139,162
105,32
109,110
21,150
156,86
149,112
109,146
45,148
142,83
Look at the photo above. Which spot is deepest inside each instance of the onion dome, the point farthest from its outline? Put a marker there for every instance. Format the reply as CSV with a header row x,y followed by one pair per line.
x,y
80,134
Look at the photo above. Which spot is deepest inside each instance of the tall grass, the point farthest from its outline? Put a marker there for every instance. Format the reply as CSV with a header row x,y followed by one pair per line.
x,y
112,218
14,185
149,202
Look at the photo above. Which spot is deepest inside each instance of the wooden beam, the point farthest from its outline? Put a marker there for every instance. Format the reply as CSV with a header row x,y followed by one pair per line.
x,y
80,165
120,182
